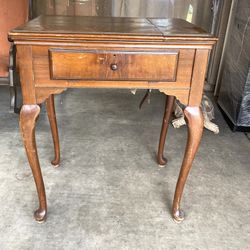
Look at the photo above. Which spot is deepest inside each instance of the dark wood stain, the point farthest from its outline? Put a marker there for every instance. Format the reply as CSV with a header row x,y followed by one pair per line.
x,y
59,52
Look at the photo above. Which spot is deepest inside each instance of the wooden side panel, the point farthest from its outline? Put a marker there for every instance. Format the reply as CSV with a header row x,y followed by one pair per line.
x,y
26,74
198,78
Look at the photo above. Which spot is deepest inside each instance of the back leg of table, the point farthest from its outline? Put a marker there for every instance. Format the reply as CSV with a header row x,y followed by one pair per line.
x,y
162,161
50,106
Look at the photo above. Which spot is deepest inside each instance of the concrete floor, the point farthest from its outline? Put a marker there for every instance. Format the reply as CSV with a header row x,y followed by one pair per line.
x,y
109,192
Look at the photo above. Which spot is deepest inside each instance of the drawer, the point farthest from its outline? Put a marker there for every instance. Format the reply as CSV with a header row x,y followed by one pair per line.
x,y
70,64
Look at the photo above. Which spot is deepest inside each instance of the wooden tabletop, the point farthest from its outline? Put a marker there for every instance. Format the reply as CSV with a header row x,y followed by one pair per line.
x,y
79,26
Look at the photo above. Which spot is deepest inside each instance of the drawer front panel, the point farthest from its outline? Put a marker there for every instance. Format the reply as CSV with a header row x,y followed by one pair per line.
x,y
113,65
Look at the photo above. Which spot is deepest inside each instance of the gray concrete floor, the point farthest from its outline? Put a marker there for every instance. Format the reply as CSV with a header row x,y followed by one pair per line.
x,y
109,192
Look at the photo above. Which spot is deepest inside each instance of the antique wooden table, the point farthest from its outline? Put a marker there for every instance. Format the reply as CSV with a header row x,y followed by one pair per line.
x,y
56,53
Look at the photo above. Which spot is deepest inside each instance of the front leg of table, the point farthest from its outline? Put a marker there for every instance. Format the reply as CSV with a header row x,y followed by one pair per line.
x,y
195,123
162,161
28,117
50,107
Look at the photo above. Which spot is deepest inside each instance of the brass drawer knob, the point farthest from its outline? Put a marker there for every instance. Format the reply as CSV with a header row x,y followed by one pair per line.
x,y
114,66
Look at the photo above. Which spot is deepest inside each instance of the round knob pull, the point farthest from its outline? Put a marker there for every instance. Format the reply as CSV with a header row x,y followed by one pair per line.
x,y
114,66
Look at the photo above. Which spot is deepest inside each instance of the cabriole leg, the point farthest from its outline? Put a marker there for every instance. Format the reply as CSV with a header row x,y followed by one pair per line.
x,y
50,106
162,161
195,123
28,117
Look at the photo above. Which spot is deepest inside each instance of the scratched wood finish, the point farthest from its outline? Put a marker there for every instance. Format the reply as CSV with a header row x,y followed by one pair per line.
x,y
137,52
77,28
